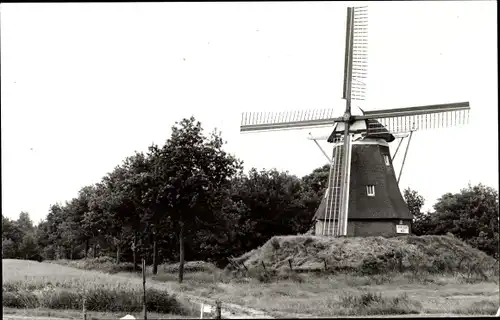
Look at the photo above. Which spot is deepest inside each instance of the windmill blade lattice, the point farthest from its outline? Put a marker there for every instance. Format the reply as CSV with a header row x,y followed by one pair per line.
x,y
418,118
359,54
268,121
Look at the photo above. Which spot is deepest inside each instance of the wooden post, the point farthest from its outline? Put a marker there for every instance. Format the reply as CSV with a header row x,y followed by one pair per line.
x,y
144,309
244,266
84,308
218,310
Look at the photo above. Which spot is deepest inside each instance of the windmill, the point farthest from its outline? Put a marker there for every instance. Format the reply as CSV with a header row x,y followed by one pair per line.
x,y
362,184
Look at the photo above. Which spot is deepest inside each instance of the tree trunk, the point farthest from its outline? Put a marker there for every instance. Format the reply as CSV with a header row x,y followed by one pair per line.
x,y
181,251
86,248
134,254
117,254
155,255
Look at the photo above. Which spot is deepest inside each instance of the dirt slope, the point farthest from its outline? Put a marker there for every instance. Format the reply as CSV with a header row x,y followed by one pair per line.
x,y
311,253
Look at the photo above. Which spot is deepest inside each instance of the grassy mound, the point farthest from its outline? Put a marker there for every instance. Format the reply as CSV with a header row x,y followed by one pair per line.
x,y
369,255
30,284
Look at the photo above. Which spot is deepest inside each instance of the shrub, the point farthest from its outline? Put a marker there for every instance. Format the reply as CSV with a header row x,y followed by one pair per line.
x,y
21,299
100,299
275,243
374,304
61,299
365,299
480,307
371,265
162,302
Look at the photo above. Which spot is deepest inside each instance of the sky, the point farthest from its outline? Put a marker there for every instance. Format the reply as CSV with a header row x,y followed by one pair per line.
x,y
85,85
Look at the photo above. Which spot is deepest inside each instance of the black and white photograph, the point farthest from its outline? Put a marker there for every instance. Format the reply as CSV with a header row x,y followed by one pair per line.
x,y
249,160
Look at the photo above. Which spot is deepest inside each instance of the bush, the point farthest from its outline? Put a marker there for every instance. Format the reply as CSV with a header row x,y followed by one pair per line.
x,y
374,304
365,299
481,307
162,302
61,299
20,299
131,301
100,299
275,243
371,265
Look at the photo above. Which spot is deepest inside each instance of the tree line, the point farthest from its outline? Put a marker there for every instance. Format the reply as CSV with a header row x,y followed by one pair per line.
x,y
191,200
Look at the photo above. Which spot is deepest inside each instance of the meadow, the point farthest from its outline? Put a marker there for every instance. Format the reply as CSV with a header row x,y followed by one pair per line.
x,y
39,286
364,284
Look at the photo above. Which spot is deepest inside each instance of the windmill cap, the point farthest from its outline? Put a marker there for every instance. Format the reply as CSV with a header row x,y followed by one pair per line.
x,y
372,127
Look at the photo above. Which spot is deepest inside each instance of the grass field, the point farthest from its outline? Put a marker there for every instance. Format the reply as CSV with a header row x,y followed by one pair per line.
x,y
431,278
34,285
343,294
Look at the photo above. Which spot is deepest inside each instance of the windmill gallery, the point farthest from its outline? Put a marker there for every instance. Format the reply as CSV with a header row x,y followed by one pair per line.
x,y
363,196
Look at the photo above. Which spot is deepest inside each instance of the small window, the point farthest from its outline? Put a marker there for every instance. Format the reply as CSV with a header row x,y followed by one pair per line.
x,y
370,191
386,159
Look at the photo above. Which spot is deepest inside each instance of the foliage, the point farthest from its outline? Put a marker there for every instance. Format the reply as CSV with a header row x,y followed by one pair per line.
x,y
471,215
28,284
189,199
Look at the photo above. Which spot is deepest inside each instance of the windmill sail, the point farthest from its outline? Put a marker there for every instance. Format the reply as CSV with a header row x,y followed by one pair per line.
x,y
333,194
420,118
269,121
359,56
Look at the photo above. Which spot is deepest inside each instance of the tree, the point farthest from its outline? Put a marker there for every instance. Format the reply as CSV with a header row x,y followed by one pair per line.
x,y
12,236
190,172
314,188
472,215
24,222
272,203
28,249
421,221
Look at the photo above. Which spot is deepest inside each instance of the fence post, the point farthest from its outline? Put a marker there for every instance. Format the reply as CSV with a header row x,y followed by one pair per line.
x,y
144,309
218,310
263,266
84,308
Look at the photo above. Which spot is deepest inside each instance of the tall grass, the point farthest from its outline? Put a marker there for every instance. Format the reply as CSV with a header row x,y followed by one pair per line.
x,y
28,284
375,304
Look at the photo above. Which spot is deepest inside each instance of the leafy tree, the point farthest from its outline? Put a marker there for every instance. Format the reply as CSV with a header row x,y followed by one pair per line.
x,y
54,220
12,236
190,172
24,222
273,205
314,188
9,249
421,221
472,215
28,249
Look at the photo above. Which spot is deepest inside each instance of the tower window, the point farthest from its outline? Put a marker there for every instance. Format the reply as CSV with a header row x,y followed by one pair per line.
x,y
386,160
370,190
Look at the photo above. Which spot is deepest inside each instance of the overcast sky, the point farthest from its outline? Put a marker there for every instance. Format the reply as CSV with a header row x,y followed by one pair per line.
x,y
84,85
